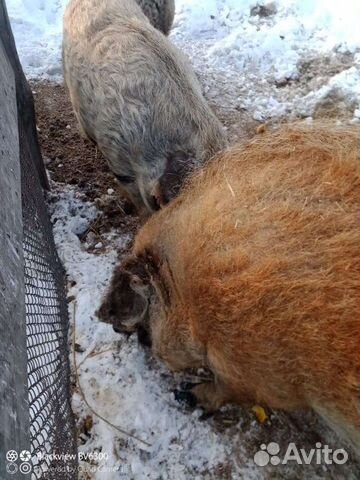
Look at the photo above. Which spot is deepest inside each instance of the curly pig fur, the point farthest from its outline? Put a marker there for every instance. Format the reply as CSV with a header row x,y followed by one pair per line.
x,y
258,274
136,96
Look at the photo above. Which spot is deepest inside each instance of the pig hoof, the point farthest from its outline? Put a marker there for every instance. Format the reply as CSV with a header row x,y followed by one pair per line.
x,y
185,398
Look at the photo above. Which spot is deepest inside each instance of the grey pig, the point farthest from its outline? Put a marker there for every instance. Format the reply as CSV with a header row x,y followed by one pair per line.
x,y
136,96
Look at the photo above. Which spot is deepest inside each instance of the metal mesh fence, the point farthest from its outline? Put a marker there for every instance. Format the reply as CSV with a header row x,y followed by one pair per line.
x,y
52,430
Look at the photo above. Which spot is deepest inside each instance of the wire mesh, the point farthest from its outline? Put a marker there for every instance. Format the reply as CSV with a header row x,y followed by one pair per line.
x,y
52,428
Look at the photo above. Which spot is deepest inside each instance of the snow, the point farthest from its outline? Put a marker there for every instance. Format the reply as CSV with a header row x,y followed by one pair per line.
x,y
37,27
347,82
243,58
282,66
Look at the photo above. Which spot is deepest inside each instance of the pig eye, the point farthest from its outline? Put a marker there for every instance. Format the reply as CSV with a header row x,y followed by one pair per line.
x,y
135,282
125,178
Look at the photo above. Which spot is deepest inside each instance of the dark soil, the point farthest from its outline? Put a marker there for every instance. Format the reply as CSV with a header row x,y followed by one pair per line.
x,y
74,160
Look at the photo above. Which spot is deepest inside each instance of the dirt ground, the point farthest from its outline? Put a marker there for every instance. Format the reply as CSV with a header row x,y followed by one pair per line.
x,y
73,160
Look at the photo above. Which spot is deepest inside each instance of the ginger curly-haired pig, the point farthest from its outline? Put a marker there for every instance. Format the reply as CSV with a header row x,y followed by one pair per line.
x,y
136,96
254,272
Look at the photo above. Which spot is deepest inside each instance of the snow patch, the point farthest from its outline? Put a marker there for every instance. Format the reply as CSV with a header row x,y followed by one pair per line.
x,y
37,27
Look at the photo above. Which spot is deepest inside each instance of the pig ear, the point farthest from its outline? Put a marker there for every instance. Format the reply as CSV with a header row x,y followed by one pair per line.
x,y
145,266
179,165
137,266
